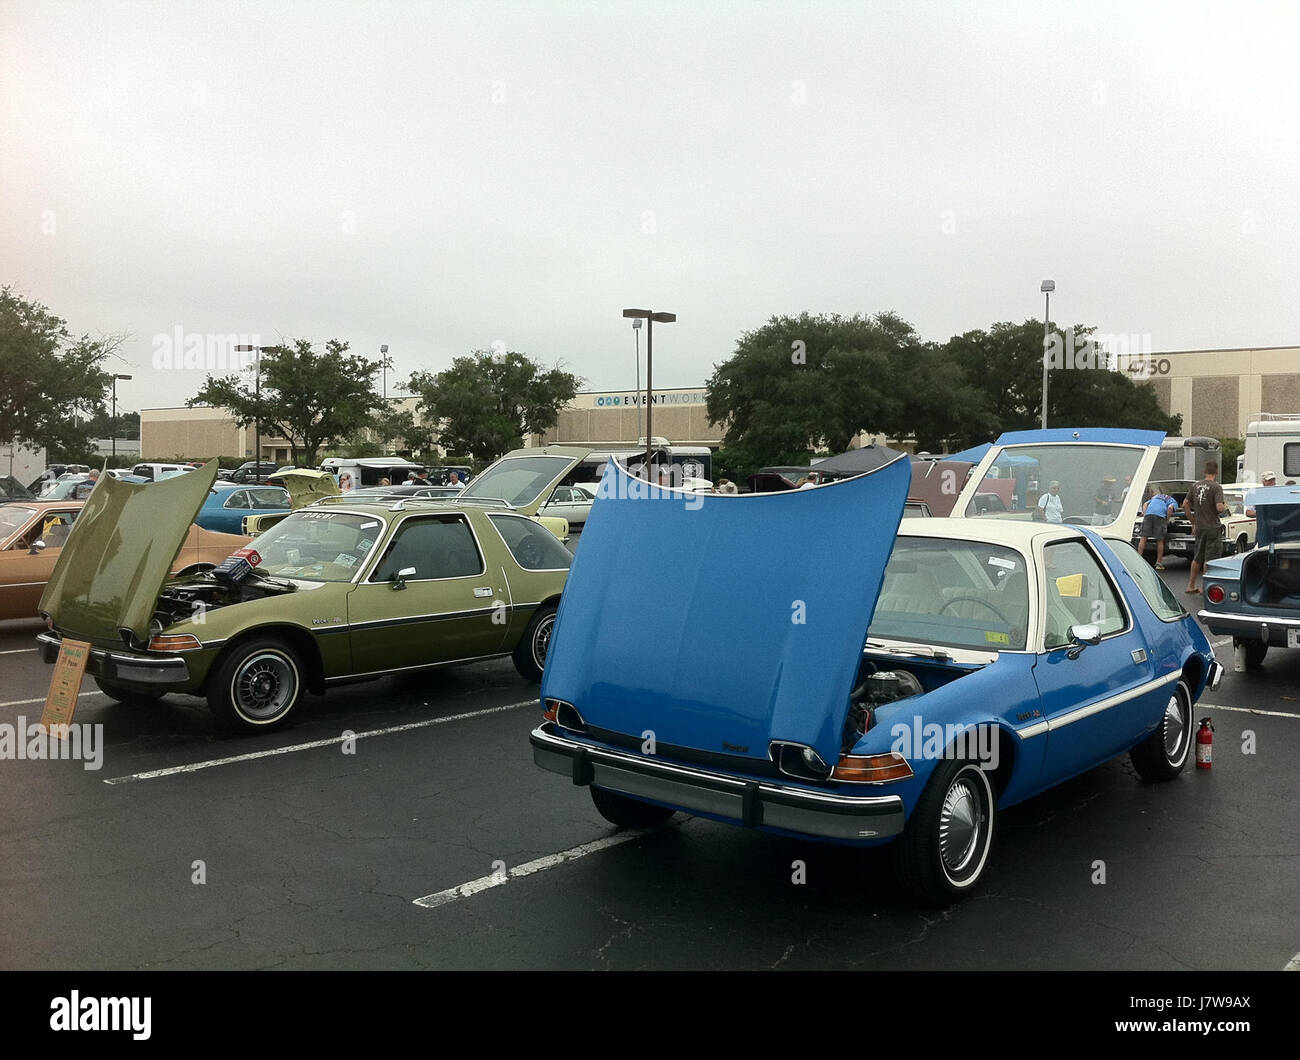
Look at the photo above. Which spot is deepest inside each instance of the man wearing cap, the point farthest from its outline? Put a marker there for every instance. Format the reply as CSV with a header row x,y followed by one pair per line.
x,y
1050,503
1204,503
1269,479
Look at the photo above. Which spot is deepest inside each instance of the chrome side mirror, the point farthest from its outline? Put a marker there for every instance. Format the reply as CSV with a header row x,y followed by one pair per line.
x,y
1081,637
399,579
37,548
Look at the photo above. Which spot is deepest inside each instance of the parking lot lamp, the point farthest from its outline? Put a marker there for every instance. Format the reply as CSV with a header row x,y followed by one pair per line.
x,y
114,429
653,318
257,428
1047,287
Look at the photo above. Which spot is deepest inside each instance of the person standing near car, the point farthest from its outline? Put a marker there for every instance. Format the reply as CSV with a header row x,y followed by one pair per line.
x,y
1050,504
1155,524
1204,503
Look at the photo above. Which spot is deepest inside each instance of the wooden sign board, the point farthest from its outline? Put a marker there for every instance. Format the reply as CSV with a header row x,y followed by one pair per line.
x,y
65,685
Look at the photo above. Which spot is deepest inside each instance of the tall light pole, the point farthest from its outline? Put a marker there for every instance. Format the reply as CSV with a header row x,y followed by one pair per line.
x,y
636,330
1047,287
383,367
653,318
114,431
257,429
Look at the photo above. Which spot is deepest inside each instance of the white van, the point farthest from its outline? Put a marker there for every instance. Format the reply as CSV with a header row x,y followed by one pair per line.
x,y
154,472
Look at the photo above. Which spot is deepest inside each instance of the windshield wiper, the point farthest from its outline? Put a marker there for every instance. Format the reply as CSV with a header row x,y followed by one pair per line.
x,y
937,654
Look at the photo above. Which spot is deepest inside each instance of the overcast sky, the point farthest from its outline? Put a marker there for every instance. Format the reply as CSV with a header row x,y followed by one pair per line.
x,y
442,177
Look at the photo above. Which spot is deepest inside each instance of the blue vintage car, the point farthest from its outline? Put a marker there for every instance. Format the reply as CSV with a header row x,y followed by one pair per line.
x,y
230,503
1255,597
903,685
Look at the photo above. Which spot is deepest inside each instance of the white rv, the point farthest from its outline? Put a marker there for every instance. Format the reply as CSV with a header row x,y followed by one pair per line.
x,y
1272,444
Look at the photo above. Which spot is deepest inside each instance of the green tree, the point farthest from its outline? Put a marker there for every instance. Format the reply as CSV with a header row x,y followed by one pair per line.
x,y
800,384
311,399
49,382
1004,367
485,404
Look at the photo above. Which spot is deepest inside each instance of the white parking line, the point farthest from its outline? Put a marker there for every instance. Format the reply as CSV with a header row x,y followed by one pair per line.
x,y
1293,965
16,651
1247,710
483,883
194,767
28,702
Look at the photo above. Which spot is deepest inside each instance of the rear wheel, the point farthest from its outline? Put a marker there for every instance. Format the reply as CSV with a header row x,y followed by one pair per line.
x,y
627,812
942,853
530,652
1162,755
256,685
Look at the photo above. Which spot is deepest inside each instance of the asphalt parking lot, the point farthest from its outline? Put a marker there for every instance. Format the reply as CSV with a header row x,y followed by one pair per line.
x,y
431,841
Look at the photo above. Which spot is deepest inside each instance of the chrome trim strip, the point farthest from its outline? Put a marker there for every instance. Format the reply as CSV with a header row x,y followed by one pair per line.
x,y
418,666
1112,701
1251,622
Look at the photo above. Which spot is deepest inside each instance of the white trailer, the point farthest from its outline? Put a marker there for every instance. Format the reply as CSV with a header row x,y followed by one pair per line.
x,y
1272,445
23,464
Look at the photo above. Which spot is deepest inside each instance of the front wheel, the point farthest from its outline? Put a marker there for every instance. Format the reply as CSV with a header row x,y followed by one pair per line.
x,y
942,853
255,685
1162,755
530,652
628,812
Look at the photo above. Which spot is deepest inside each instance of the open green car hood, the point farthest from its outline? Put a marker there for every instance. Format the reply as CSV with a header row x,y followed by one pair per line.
x,y
120,552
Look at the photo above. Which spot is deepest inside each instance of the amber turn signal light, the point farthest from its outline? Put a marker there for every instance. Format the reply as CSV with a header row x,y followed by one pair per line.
x,y
871,769
175,642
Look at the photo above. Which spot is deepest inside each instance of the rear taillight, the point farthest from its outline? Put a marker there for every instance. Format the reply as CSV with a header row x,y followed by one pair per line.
x,y
174,642
1214,594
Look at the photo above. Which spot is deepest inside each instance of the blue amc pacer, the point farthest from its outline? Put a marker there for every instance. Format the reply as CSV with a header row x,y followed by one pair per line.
x,y
1255,597
803,664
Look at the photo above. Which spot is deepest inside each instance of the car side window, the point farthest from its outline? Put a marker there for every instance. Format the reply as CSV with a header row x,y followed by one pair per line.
x,y
237,499
1078,594
1163,602
532,545
437,547
56,526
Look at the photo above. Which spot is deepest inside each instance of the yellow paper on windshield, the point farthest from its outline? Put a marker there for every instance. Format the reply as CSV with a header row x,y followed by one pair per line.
x,y
1070,585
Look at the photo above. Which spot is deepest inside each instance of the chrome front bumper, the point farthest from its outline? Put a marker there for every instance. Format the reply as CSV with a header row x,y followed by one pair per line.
x,y
159,671
752,803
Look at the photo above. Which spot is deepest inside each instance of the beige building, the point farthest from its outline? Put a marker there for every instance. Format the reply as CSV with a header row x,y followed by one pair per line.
x,y
183,432
680,415
1218,392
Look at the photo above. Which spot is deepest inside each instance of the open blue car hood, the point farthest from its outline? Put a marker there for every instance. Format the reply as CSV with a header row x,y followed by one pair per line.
x,y
720,623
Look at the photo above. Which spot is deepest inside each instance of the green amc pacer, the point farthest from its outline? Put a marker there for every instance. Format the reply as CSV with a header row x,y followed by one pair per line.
x,y
335,592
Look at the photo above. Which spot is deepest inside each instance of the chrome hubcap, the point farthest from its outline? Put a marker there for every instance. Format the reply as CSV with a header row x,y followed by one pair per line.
x,y
264,685
1175,729
542,641
961,824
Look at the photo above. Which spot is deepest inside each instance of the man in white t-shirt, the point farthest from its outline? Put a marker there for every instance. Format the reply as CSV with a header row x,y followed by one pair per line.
x,y
1050,503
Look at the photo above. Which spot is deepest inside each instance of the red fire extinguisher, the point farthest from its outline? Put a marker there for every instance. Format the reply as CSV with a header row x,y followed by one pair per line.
x,y
1204,744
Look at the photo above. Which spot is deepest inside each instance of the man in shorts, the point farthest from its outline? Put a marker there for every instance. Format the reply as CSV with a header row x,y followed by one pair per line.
x,y
1155,523
1204,503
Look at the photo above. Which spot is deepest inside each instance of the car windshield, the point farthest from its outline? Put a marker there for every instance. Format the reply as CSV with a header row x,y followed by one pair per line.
x,y
318,546
961,594
1069,483
517,480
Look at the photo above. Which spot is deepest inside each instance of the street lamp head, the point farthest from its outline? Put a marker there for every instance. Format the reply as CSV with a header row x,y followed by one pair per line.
x,y
636,312
1048,285
383,348
636,322
121,377
663,318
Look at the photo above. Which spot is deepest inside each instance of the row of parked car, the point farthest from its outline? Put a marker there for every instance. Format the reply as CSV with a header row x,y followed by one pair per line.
x,y
922,676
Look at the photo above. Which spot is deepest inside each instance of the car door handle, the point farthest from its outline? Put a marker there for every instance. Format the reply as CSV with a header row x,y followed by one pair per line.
x,y
482,592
